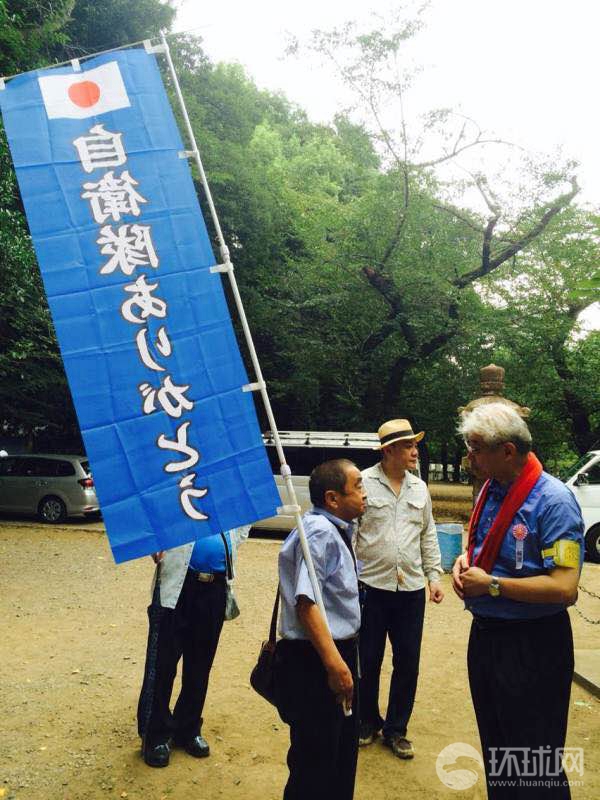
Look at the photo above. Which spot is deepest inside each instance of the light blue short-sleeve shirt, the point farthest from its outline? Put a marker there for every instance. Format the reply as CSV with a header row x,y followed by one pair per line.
x,y
336,575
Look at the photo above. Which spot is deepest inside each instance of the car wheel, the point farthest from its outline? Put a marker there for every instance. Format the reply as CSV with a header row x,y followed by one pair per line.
x,y
592,544
52,509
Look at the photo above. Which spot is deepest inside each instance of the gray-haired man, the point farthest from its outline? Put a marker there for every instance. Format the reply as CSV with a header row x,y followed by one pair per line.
x,y
518,576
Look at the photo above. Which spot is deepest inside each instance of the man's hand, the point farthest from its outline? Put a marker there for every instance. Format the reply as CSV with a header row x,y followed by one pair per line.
x,y
339,679
461,565
475,582
436,593
158,557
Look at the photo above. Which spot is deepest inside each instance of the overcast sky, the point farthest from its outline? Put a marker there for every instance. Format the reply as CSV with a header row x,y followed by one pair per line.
x,y
526,70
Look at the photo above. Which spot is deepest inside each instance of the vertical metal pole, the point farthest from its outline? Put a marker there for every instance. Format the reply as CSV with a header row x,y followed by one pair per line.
x,y
228,267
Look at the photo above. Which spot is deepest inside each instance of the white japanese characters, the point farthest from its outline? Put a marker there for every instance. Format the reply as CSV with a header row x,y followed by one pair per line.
x,y
129,247
112,196
100,149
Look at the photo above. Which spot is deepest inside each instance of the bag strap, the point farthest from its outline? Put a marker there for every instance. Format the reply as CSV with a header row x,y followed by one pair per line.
x,y
273,626
348,545
227,557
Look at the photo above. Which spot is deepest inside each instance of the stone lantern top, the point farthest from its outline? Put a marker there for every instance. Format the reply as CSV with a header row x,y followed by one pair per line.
x,y
491,381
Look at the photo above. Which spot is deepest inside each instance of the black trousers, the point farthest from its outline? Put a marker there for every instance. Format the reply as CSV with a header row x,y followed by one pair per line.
x,y
192,630
400,616
323,742
520,677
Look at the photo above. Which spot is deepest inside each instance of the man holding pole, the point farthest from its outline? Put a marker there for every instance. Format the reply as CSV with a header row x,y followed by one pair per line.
x,y
518,576
185,621
317,658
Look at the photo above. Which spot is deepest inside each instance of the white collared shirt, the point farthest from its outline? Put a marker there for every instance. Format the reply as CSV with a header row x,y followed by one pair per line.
x,y
397,540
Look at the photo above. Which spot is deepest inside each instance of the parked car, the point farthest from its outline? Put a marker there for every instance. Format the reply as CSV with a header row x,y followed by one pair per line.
x,y
583,479
52,486
303,451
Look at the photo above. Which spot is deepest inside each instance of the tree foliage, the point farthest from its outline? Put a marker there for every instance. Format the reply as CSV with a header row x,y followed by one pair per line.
x,y
374,285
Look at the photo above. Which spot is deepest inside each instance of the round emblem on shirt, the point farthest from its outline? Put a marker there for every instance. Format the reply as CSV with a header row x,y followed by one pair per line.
x,y
519,531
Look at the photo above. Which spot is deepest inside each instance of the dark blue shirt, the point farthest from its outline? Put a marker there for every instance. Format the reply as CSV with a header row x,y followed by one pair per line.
x,y
550,513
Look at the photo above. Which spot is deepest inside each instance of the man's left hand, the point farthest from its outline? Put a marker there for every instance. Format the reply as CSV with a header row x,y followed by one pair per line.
x,y
436,593
475,582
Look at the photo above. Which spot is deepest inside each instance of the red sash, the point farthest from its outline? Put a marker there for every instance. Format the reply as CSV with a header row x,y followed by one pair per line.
x,y
515,497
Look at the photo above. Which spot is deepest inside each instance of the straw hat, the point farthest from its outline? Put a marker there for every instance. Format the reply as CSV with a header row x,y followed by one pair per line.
x,y
396,429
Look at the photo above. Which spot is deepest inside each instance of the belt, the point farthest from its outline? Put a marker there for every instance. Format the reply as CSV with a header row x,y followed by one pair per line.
x,y
501,623
206,577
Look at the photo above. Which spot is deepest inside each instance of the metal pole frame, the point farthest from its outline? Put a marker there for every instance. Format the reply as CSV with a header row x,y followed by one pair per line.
x,y
259,385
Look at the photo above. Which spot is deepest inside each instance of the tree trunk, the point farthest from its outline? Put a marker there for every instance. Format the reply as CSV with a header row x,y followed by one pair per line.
x,y
424,460
456,464
444,460
393,386
581,429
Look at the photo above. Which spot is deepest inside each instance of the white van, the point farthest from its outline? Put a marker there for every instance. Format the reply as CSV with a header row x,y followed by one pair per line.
x,y
303,451
583,479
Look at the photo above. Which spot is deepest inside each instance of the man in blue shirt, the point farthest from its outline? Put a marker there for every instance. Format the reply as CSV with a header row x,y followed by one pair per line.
x,y
186,617
518,577
317,667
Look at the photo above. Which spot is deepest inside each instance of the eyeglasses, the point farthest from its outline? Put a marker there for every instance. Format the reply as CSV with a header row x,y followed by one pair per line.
x,y
479,448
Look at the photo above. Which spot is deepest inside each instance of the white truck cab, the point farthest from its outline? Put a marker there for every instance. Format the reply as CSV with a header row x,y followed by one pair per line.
x,y
583,479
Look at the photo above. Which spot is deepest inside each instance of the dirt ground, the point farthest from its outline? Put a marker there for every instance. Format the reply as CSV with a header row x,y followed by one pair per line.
x,y
73,632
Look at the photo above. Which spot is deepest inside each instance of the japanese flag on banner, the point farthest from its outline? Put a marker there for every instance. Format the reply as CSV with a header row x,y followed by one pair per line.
x,y
84,94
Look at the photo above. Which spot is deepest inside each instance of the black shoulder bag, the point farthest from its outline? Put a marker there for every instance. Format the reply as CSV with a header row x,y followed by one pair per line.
x,y
263,677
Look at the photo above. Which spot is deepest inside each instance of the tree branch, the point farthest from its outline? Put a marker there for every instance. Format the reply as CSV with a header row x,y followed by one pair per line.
x,y
490,264
461,217
458,150
385,287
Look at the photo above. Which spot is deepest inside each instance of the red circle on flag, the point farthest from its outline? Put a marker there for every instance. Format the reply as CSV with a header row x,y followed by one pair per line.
x,y
84,94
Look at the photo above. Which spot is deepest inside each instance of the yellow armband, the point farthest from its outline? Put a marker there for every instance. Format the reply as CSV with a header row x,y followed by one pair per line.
x,y
564,552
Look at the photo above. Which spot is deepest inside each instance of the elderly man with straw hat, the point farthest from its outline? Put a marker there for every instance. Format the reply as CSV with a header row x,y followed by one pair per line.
x,y
398,547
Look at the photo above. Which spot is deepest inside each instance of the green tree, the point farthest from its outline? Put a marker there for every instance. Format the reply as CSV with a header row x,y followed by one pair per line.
x,y
414,243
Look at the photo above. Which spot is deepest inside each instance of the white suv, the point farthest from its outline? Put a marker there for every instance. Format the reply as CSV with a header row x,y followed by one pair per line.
x,y
49,485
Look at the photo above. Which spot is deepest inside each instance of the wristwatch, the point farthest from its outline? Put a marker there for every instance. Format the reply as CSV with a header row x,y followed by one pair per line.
x,y
494,587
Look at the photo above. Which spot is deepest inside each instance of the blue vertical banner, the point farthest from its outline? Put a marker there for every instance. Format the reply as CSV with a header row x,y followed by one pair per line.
x,y
143,325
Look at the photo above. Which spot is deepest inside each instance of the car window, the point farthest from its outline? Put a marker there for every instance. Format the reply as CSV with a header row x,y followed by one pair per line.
x,y
64,469
37,467
85,466
9,466
593,473
574,468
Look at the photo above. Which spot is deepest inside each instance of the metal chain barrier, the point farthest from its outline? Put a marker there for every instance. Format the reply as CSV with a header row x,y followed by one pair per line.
x,y
581,614
587,591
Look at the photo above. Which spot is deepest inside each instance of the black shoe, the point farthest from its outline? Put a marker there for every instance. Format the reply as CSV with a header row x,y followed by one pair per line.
x,y
367,734
400,746
197,747
157,756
